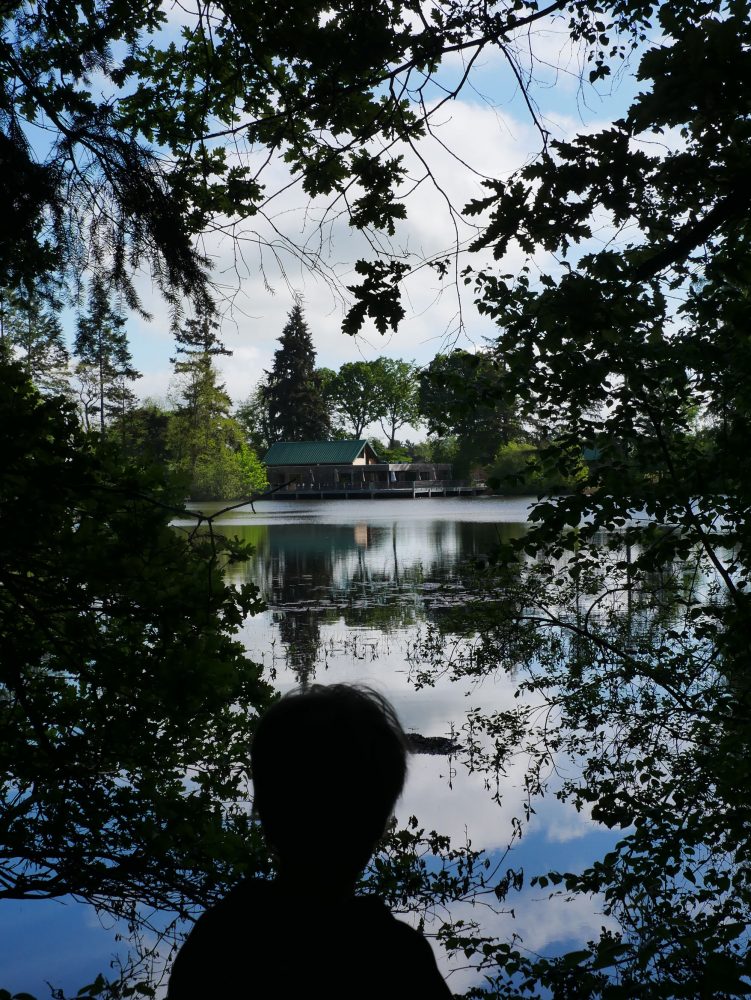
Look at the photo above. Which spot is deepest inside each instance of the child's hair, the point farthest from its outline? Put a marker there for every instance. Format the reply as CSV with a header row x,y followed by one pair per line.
x,y
328,765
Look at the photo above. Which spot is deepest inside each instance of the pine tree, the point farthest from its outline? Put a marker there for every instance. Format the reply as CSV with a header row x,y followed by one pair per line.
x,y
105,360
201,408
199,336
297,407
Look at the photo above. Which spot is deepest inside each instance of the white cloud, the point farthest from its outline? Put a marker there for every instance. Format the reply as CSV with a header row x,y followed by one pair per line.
x,y
301,247
260,282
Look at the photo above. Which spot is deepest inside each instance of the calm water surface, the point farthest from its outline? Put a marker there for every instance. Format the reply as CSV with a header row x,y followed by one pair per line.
x,y
349,586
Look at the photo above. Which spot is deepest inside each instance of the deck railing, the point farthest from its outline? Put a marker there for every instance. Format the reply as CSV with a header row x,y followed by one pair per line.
x,y
382,485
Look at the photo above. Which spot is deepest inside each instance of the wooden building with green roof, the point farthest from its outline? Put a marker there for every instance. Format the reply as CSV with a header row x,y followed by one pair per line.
x,y
349,469
326,453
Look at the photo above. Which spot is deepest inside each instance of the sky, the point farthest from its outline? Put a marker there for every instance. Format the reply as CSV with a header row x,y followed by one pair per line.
x,y
486,132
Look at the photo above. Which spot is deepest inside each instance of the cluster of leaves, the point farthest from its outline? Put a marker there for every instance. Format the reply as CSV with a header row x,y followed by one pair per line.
x,y
103,639
460,394
366,392
162,147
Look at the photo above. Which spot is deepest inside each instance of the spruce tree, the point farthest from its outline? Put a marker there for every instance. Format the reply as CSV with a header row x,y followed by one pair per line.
x,y
297,408
31,332
205,445
105,361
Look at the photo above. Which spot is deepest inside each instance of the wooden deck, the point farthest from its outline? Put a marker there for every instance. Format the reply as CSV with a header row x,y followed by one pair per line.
x,y
394,491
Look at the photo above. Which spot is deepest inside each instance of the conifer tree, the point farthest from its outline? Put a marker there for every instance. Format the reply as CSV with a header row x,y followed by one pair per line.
x,y
205,444
104,359
297,407
30,331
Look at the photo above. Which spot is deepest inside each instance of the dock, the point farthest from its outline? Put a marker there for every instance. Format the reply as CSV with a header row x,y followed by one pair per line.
x,y
392,491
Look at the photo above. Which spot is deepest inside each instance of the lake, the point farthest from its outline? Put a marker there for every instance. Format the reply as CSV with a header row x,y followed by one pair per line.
x,y
350,587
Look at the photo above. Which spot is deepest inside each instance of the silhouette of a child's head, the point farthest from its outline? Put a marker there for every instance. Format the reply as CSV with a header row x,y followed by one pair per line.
x,y
328,764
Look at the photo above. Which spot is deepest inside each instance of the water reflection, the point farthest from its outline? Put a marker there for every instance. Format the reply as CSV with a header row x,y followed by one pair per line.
x,y
350,586
355,574
349,589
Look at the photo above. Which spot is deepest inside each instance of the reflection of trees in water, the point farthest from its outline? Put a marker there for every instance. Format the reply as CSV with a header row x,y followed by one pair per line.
x,y
294,562
301,634
363,576
306,652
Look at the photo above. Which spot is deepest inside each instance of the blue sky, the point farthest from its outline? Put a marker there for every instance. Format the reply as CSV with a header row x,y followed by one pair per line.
x,y
491,131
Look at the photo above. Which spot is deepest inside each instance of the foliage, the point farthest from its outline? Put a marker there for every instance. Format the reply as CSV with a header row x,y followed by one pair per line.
x,y
436,449
297,409
101,180
162,148
517,468
105,366
399,453
459,394
141,434
397,389
104,639
252,416
30,330
356,395
206,447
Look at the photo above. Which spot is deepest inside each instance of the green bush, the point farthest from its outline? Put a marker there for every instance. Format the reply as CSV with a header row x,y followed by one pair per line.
x,y
519,467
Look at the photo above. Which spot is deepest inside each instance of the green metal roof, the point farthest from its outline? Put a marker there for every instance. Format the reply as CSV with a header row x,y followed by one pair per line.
x,y
313,452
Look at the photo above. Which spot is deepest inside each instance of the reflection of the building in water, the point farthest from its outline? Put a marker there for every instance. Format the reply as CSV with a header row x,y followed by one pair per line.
x,y
383,575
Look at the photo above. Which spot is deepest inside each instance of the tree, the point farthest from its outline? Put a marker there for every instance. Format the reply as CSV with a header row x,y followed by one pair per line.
x,y
397,388
356,393
297,409
253,417
459,394
142,434
101,345
103,639
32,331
207,448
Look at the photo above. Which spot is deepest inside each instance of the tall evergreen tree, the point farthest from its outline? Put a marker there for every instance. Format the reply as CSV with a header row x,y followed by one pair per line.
x,y
30,331
104,358
205,444
201,406
297,407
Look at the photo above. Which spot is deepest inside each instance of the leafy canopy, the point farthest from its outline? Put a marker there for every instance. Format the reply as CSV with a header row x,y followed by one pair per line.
x,y
103,639
151,129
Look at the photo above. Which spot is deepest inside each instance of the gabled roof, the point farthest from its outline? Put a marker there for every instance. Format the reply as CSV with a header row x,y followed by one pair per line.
x,y
313,452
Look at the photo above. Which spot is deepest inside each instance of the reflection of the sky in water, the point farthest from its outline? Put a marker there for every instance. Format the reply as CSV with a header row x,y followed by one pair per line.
x,y
446,797
348,587
358,592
